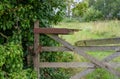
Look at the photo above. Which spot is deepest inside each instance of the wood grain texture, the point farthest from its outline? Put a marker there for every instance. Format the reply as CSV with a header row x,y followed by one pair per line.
x,y
54,30
74,65
83,48
36,56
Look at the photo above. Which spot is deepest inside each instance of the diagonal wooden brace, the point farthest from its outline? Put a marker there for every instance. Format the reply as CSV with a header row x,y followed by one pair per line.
x,y
88,70
81,74
85,55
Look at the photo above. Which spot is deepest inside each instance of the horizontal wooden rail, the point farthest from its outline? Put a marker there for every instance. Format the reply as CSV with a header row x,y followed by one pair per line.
x,y
73,64
98,42
83,48
54,30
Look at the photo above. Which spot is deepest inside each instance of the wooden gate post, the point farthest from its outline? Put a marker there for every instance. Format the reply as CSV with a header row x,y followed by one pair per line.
x,y
36,56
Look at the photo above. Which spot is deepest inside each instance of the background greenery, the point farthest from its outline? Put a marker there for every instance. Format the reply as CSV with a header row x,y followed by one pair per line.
x,y
93,10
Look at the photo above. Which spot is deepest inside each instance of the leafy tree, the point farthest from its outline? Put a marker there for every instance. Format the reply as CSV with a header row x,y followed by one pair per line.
x,y
80,9
92,14
109,8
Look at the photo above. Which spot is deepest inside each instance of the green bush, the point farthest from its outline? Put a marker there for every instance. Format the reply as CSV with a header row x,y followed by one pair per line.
x,y
92,15
109,8
11,63
80,9
17,23
101,74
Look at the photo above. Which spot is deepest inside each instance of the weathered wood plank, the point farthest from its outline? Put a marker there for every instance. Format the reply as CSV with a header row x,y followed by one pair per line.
x,y
36,53
81,74
73,64
65,64
82,53
98,42
112,56
106,59
83,48
54,30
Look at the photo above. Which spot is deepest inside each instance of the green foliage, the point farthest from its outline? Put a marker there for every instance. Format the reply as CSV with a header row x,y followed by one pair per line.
x,y
18,17
55,73
109,8
28,11
80,9
92,15
11,63
98,74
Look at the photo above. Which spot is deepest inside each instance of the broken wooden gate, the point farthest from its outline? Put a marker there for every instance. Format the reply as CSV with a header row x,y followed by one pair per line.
x,y
81,50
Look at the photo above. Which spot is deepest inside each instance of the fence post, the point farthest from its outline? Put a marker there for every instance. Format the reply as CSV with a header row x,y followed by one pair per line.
x,y
36,56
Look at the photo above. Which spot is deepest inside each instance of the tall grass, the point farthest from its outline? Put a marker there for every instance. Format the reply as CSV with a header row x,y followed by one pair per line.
x,y
92,30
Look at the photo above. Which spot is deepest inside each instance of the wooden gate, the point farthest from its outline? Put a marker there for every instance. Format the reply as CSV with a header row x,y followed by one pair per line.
x,y
81,50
